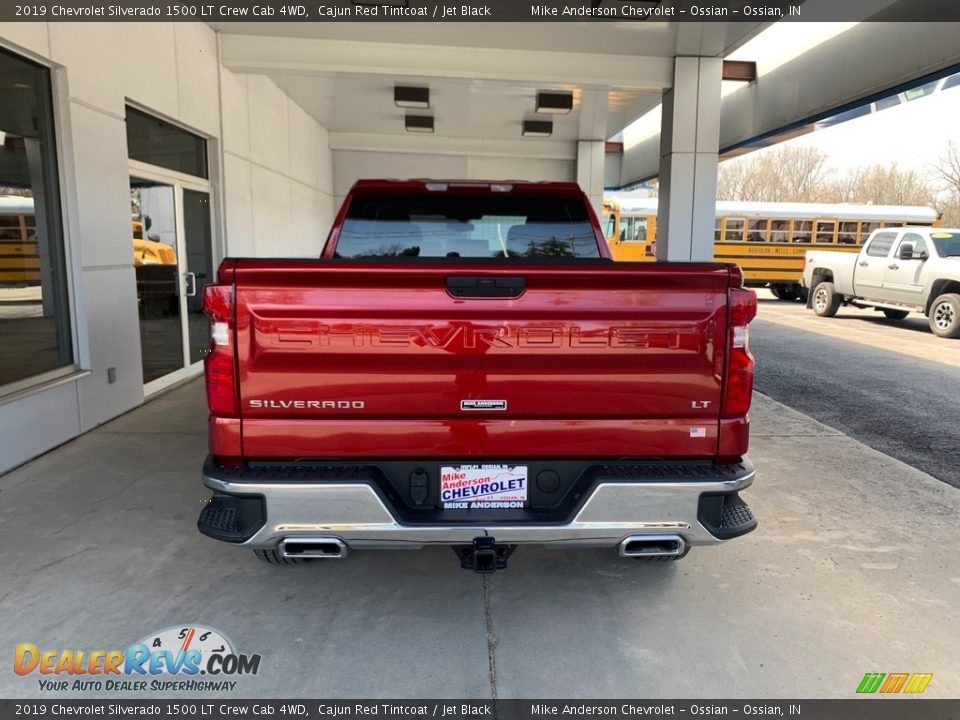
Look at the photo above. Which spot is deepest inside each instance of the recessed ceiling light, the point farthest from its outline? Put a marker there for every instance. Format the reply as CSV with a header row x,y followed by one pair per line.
x,y
411,97
418,123
555,103
537,128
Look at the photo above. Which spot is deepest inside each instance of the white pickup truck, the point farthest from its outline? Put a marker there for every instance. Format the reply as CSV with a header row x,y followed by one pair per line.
x,y
898,271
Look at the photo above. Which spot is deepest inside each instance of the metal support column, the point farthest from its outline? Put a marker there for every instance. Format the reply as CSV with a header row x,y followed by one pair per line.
x,y
689,146
590,158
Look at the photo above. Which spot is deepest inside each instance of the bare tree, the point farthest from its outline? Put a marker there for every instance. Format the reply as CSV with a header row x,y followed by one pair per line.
x,y
732,178
949,209
783,174
801,174
947,174
883,185
947,170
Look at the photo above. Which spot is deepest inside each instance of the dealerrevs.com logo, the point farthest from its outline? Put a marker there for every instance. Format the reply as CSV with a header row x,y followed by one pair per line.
x,y
170,660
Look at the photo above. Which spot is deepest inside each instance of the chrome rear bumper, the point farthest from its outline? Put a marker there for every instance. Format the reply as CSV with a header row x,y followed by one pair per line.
x,y
355,514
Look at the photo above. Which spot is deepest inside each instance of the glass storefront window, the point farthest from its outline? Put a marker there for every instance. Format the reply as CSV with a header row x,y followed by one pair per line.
x,y
159,143
35,335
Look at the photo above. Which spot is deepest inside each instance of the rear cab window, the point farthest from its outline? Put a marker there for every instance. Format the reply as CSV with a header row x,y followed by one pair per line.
x,y
450,225
881,244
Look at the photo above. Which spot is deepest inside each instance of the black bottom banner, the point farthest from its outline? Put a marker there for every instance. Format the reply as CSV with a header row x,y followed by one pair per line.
x,y
875,708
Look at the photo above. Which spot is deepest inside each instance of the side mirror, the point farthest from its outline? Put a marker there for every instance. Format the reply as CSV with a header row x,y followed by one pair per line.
x,y
906,252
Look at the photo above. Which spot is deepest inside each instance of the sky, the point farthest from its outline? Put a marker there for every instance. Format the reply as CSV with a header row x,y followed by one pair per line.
x,y
913,134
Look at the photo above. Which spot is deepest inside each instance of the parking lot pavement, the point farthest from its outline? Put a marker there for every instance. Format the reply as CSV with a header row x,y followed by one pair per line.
x,y
903,406
910,336
853,569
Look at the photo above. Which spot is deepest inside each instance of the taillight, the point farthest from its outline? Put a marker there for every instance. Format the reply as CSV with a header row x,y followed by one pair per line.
x,y
740,366
219,364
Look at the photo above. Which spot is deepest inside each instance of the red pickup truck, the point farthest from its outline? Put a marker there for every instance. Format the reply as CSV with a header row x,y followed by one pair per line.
x,y
466,366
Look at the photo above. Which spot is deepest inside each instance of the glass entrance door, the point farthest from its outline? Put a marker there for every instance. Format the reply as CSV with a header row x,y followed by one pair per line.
x,y
198,236
173,259
157,254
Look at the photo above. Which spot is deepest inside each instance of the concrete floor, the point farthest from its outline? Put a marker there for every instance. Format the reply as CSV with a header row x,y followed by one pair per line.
x,y
854,569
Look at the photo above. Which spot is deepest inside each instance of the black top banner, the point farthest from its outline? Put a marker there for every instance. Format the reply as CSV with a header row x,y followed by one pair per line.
x,y
482,11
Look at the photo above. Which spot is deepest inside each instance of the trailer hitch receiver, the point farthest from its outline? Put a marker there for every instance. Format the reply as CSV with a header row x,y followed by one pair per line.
x,y
484,555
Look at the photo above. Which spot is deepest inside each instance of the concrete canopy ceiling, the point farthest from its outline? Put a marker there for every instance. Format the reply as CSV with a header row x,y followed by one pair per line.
x,y
483,77
466,108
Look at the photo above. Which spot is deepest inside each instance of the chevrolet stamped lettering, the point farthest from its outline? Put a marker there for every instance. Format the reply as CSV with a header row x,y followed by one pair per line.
x,y
465,365
307,335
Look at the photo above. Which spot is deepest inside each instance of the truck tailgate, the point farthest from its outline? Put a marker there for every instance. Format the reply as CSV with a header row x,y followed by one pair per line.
x,y
344,359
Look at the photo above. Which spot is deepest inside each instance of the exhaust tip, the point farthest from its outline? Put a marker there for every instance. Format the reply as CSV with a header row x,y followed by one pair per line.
x,y
319,547
652,546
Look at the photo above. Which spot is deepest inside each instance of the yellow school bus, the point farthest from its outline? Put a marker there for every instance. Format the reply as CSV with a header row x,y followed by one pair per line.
x,y
20,251
767,239
19,255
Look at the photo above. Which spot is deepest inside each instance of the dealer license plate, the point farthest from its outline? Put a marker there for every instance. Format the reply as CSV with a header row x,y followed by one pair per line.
x,y
483,487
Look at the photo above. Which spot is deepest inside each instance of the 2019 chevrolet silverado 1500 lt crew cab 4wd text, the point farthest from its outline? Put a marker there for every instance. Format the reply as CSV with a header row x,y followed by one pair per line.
x,y
911,269
465,366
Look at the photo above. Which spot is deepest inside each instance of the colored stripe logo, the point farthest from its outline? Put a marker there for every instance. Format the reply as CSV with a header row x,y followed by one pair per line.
x,y
894,683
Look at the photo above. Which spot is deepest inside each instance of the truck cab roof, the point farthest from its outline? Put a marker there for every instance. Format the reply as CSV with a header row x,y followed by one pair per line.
x,y
427,186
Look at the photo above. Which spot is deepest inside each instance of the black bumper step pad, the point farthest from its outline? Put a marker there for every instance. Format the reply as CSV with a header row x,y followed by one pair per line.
x,y
232,518
220,518
736,513
726,515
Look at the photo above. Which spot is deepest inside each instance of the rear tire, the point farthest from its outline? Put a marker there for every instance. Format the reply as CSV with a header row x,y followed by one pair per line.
x,y
944,317
895,314
786,294
826,302
272,557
